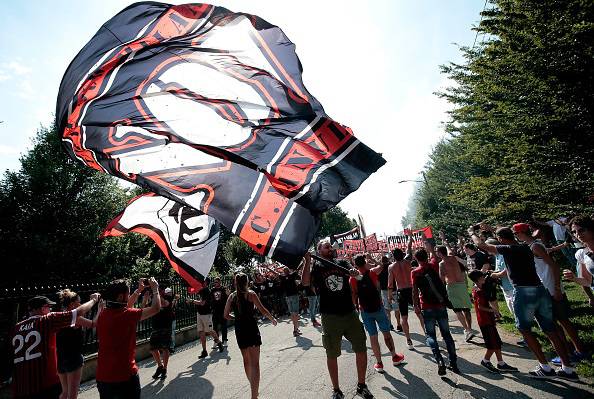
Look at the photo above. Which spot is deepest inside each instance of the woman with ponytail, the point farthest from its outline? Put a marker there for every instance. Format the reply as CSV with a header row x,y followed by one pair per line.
x,y
69,345
241,303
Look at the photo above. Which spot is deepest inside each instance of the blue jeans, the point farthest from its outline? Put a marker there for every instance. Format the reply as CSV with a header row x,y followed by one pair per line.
x,y
313,306
439,317
533,303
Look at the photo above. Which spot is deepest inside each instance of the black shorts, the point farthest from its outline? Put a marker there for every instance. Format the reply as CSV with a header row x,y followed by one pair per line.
x,y
491,337
405,300
247,334
561,309
69,362
160,339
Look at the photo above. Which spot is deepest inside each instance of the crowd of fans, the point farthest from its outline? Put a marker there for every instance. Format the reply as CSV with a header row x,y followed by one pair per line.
x,y
350,295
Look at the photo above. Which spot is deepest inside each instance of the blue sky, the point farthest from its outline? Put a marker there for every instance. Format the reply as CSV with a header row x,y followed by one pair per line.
x,y
373,65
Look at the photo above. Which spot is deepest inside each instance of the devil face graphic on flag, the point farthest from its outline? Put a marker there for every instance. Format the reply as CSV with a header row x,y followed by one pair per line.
x,y
207,107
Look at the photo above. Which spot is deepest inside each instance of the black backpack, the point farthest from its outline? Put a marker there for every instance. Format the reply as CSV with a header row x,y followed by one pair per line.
x,y
433,289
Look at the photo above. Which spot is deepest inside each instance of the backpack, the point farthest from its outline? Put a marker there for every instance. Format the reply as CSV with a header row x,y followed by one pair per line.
x,y
433,289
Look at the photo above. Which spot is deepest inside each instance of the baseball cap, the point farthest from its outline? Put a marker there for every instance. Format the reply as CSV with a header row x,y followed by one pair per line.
x,y
167,291
521,228
38,301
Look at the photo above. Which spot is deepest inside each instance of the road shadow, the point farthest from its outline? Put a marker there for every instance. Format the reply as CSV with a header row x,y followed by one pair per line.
x,y
187,384
303,343
413,387
484,389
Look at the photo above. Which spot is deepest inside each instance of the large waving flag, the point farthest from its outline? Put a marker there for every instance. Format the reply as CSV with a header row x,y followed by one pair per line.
x,y
187,237
207,107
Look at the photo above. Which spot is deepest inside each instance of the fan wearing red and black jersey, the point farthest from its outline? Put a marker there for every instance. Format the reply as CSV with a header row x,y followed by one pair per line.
x,y
35,373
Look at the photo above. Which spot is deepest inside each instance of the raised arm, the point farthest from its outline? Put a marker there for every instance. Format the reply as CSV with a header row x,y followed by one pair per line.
x,y
256,301
492,249
557,247
445,243
85,307
156,305
133,298
409,252
86,323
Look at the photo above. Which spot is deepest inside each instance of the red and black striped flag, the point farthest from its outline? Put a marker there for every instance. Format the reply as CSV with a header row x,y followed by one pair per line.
x,y
207,107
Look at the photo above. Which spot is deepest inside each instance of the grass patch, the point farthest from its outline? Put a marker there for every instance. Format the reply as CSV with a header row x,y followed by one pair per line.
x,y
581,317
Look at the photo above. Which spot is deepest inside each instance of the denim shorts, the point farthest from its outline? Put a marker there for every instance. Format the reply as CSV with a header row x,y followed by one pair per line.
x,y
373,320
293,303
531,303
387,305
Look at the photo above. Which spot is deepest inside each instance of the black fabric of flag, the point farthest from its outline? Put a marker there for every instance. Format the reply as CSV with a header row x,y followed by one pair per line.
x,y
207,107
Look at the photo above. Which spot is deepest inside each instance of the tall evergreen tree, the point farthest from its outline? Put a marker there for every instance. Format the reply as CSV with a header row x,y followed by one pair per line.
x,y
520,139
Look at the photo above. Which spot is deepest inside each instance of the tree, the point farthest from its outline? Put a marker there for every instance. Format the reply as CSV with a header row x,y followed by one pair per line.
x,y
334,221
52,211
520,134
238,253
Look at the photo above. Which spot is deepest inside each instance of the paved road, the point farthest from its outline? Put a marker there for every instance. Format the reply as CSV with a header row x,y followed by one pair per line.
x,y
296,368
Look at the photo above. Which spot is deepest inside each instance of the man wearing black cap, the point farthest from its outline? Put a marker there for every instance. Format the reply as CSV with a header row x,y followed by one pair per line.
x,y
34,343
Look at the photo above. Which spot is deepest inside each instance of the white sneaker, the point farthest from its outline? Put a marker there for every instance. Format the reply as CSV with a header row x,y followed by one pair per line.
x,y
468,335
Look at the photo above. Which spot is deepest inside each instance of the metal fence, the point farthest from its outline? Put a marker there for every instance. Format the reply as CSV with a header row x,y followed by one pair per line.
x,y
13,308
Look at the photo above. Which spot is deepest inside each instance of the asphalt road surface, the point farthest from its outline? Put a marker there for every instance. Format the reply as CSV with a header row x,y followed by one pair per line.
x,y
296,368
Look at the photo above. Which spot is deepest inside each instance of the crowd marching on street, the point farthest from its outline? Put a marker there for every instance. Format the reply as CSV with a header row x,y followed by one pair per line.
x,y
353,297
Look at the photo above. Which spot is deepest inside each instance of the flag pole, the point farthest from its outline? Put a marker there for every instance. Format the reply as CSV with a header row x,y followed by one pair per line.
x,y
329,262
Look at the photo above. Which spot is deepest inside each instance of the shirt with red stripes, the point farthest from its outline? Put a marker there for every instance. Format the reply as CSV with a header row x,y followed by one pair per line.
x,y
34,344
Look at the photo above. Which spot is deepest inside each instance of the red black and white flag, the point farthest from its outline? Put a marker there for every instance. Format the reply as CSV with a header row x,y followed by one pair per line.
x,y
207,107
353,234
187,237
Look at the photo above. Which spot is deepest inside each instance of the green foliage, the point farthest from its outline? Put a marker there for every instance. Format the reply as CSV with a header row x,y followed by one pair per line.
x,y
52,212
334,221
520,136
238,253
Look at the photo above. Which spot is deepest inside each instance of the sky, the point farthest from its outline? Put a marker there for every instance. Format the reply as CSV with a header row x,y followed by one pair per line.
x,y
373,65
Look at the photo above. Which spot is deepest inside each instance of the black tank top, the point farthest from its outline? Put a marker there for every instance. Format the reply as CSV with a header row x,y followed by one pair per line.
x,y
243,308
369,297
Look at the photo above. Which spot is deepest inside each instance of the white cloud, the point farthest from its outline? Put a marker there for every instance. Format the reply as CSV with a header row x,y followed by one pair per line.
x,y
17,67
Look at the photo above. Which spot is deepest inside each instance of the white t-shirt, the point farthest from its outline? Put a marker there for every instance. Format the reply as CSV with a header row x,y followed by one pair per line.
x,y
582,258
558,230
544,271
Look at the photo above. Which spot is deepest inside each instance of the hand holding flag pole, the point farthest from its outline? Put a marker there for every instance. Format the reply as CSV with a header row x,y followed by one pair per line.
x,y
327,262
